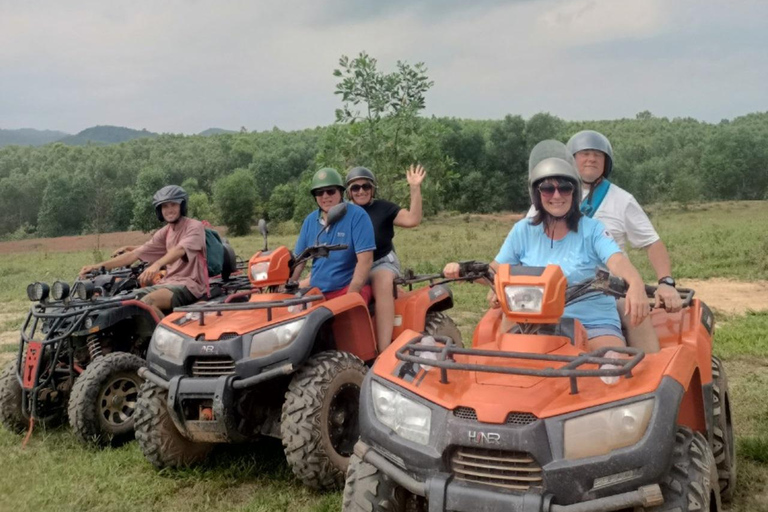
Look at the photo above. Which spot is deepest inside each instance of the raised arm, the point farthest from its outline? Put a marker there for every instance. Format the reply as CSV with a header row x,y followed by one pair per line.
x,y
411,217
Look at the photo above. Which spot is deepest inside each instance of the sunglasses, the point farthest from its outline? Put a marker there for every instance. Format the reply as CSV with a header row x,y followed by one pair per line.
x,y
325,191
548,189
357,188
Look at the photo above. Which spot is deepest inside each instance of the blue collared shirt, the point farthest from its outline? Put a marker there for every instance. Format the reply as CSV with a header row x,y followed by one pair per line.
x,y
354,229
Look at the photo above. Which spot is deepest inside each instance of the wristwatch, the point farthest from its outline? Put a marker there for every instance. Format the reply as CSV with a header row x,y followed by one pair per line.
x,y
667,280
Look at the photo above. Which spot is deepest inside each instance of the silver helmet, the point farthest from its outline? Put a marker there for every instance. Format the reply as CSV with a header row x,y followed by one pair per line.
x,y
590,139
551,159
170,194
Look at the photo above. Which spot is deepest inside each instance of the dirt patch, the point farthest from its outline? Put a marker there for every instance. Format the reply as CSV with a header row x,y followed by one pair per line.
x,y
729,296
80,243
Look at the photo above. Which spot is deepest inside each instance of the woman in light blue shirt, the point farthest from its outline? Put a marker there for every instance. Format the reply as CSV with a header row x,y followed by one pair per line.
x,y
559,234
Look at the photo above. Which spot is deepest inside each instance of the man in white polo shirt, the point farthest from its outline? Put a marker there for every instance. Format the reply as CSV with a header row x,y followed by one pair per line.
x,y
625,220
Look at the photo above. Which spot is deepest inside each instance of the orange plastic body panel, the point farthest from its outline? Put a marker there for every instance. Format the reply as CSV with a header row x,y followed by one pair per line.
x,y
279,261
552,280
411,307
31,362
685,357
352,326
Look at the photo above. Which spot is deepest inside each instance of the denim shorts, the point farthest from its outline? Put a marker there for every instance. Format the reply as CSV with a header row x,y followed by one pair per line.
x,y
605,330
389,262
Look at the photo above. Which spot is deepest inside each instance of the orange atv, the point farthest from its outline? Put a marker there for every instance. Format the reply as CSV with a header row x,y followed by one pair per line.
x,y
275,360
528,420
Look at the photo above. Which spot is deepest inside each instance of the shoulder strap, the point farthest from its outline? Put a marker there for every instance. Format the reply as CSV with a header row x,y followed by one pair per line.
x,y
592,202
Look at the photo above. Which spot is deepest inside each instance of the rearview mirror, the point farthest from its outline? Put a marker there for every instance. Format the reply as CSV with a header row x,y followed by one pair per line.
x,y
263,230
336,213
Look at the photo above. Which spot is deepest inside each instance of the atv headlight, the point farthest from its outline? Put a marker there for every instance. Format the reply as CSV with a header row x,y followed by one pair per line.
x,y
260,271
524,299
60,290
406,417
602,432
266,342
83,290
37,292
167,343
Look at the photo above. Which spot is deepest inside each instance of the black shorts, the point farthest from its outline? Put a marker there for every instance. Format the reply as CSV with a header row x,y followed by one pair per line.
x,y
181,294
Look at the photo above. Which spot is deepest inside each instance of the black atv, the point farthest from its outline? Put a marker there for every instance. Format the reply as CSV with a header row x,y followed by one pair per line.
x,y
79,354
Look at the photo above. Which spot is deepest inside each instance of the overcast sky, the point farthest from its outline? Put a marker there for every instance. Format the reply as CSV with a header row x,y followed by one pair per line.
x,y
184,66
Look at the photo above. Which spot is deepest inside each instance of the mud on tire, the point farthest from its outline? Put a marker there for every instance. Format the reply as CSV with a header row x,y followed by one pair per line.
x,y
103,400
691,484
723,445
369,490
157,435
11,415
438,323
319,422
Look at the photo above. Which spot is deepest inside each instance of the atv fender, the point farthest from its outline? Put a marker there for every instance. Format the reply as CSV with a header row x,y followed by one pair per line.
x,y
684,368
413,309
352,326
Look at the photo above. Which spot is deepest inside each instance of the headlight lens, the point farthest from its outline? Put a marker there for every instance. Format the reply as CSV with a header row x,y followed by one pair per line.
x,y
406,417
83,290
601,432
167,343
60,290
266,342
524,299
260,271
37,291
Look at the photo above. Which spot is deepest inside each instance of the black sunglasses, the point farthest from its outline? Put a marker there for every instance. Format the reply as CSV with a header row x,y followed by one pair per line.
x,y
565,189
325,191
365,186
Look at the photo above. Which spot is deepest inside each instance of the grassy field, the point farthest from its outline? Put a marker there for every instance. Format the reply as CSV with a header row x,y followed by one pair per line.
x,y
55,473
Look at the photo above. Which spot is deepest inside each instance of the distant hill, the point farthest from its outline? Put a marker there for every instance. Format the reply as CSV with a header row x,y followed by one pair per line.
x,y
215,131
29,137
103,135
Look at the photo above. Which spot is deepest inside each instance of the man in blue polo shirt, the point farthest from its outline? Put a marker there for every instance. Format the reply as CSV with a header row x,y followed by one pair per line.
x,y
342,271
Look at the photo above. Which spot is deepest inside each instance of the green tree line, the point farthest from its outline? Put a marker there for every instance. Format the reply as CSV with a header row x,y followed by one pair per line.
x,y
473,165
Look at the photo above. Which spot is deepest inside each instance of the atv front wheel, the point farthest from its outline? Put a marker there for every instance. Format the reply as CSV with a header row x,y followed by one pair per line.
x,y
723,446
319,426
11,415
438,323
369,490
103,400
157,435
691,484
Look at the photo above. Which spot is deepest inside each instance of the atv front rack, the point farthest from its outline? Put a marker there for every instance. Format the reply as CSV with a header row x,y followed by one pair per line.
x,y
219,308
572,369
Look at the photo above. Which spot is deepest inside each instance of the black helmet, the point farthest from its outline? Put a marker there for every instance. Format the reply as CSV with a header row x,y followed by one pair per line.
x,y
358,173
170,194
590,139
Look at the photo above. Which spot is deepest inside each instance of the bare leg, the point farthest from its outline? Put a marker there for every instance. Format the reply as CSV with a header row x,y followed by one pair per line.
x,y
641,336
159,300
604,341
381,282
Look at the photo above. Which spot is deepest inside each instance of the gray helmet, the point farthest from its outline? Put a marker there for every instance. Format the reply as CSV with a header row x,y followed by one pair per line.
x,y
170,194
358,173
551,159
590,139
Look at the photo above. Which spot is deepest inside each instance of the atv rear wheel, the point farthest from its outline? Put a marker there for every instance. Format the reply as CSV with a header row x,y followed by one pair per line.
x,y
691,484
103,400
159,439
11,415
369,490
319,423
438,323
723,446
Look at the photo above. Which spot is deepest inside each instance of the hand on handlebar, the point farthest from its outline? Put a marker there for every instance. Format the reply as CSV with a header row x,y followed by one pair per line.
x,y
452,270
668,297
147,277
493,299
88,269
